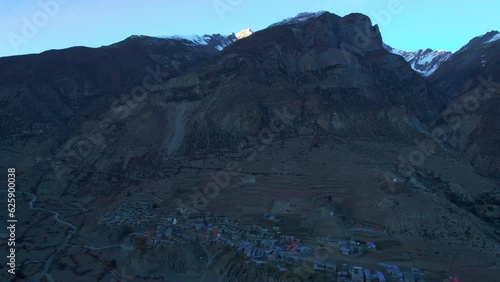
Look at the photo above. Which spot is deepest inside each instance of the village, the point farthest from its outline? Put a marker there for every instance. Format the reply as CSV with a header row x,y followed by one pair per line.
x,y
259,245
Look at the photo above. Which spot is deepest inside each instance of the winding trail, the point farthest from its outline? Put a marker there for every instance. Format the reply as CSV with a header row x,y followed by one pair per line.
x,y
90,247
73,229
63,246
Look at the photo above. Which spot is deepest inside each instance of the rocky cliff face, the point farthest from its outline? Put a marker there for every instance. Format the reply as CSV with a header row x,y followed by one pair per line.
x,y
46,98
468,85
328,66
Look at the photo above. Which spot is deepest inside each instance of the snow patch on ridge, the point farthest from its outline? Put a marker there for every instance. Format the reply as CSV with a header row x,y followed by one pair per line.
x,y
216,41
425,62
299,18
493,39
195,39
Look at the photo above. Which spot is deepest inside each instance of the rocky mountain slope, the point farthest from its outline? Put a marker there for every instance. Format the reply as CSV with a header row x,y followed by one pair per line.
x,y
314,109
468,84
47,97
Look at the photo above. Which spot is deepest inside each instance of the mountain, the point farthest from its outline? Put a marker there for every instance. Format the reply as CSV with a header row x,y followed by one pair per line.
x,y
310,126
215,41
479,56
422,61
427,61
52,94
468,84
482,41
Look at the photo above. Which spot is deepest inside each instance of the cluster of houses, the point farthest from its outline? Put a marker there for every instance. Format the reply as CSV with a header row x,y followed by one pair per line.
x,y
283,250
351,247
132,214
162,227
393,273
258,244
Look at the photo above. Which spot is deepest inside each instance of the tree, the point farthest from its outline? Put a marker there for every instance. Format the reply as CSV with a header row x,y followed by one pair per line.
x,y
62,265
20,274
125,230
140,242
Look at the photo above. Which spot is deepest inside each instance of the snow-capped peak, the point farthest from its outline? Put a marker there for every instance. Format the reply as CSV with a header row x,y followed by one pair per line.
x,y
216,41
493,38
196,39
425,62
244,33
481,41
299,18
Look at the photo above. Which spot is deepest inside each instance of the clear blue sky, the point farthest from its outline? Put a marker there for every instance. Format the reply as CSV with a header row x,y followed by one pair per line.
x,y
27,27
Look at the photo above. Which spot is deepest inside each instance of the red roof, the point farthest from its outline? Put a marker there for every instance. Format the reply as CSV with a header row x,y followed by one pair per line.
x,y
213,232
455,279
